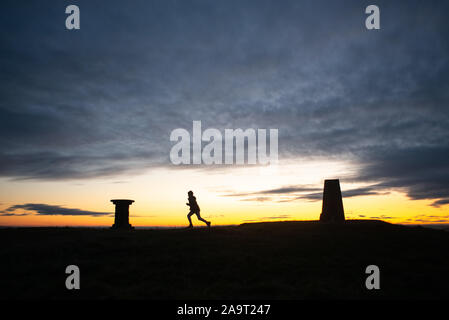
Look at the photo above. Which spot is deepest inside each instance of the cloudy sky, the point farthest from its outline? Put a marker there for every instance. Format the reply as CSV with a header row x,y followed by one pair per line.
x,y
86,115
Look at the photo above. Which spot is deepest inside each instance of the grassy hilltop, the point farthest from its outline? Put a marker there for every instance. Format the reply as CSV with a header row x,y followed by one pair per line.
x,y
278,260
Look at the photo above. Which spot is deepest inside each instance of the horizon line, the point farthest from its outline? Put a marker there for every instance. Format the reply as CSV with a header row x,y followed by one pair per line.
x,y
217,225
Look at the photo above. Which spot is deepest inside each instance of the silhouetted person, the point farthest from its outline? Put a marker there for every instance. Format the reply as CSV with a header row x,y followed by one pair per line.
x,y
194,209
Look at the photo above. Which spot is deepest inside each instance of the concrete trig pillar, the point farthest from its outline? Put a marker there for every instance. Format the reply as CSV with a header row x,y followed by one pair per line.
x,y
332,202
122,214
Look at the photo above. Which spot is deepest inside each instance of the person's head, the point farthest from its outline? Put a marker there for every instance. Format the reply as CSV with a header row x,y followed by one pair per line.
x,y
190,193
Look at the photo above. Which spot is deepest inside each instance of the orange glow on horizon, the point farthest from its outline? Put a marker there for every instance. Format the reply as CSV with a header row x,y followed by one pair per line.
x,y
225,198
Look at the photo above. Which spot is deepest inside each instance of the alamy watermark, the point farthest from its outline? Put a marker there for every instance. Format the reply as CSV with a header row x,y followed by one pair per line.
x,y
72,21
73,280
372,22
189,148
373,280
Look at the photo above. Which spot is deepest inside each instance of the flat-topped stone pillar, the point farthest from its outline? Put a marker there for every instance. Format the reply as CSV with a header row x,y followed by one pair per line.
x,y
122,214
332,202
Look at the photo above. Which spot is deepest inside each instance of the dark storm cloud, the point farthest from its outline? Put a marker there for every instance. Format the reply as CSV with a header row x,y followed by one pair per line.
x,y
282,216
3,214
426,218
293,193
282,190
53,165
103,100
357,192
49,210
440,202
279,217
258,199
422,170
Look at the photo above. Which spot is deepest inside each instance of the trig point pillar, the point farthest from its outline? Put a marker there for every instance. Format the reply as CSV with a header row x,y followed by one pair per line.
x,y
332,202
122,214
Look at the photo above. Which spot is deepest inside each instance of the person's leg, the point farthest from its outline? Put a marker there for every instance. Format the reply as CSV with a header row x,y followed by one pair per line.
x,y
190,219
201,219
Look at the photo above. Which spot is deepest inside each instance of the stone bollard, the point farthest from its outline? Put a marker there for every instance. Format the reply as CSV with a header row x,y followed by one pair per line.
x,y
122,214
332,202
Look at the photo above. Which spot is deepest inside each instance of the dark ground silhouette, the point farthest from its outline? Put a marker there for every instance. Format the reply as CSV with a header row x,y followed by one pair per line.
x,y
280,260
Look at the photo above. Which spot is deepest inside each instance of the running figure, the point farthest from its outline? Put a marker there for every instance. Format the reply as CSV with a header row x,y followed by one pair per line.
x,y
194,209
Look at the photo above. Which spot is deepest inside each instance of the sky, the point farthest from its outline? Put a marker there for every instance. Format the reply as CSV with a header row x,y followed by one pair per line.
x,y
86,115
